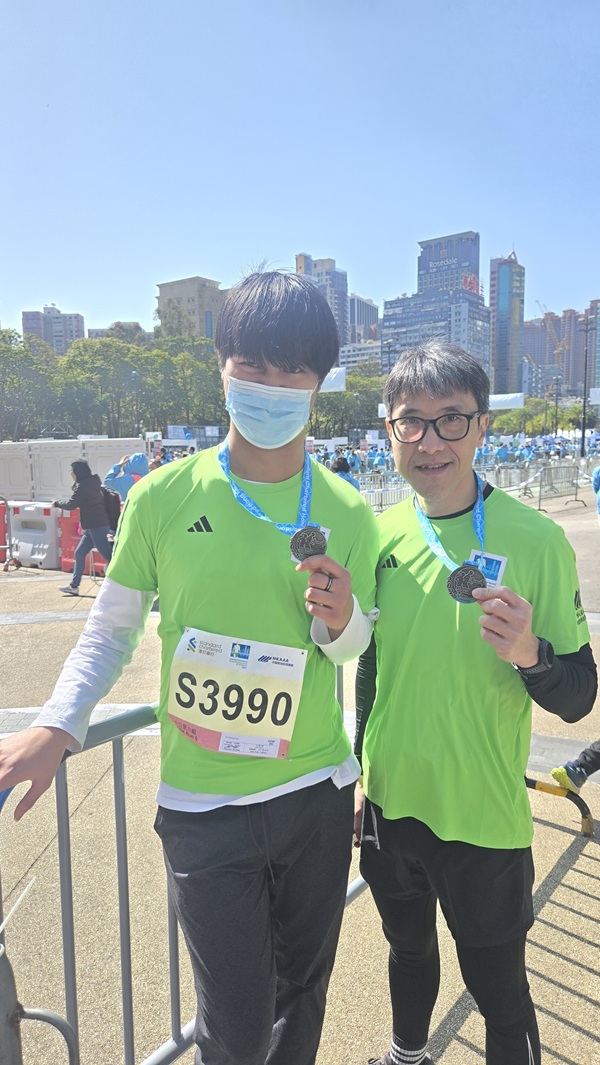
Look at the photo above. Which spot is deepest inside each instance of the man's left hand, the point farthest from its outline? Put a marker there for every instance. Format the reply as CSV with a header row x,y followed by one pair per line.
x,y
506,625
329,592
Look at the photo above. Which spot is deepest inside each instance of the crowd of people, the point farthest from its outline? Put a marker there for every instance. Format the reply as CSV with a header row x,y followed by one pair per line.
x,y
495,452
260,791
364,459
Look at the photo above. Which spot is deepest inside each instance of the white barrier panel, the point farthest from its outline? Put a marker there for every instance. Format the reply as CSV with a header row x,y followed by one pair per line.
x,y
102,454
15,471
51,464
41,469
34,528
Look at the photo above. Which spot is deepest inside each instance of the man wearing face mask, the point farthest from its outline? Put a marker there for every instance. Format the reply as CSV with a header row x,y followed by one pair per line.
x,y
265,565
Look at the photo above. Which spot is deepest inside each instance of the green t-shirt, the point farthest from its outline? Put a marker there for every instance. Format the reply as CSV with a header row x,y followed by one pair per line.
x,y
448,737
219,569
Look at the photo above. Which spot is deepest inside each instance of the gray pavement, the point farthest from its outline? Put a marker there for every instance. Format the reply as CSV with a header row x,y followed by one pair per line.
x,y
38,627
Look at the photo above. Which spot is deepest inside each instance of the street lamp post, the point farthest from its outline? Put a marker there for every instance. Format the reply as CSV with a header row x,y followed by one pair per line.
x,y
557,381
586,322
135,380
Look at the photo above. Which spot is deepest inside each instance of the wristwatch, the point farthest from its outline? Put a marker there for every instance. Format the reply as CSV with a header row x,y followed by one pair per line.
x,y
544,662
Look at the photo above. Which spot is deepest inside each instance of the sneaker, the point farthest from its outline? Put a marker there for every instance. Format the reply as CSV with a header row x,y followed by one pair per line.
x,y
571,776
69,590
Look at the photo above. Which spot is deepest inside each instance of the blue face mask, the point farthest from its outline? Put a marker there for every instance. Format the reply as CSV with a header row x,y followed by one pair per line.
x,y
267,416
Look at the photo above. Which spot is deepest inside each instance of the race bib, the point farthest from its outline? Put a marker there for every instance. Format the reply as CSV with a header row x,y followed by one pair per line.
x,y
236,696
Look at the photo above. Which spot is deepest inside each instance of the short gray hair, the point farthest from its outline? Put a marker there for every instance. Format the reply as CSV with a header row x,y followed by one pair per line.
x,y
438,369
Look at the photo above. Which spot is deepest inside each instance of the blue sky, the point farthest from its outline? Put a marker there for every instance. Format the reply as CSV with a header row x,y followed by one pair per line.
x,y
148,141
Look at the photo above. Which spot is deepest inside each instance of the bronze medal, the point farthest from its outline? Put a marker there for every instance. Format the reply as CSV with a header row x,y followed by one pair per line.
x,y
463,581
307,542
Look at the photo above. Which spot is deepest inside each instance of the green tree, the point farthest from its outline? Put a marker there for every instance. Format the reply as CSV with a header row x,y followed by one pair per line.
x,y
341,413
96,385
530,419
128,332
27,396
174,321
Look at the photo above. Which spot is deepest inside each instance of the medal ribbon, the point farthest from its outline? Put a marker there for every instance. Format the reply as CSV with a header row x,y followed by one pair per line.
x,y
433,539
246,501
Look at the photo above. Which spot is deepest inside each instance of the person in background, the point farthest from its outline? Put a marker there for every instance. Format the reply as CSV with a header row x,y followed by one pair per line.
x,y
354,462
573,775
596,487
125,473
93,517
342,469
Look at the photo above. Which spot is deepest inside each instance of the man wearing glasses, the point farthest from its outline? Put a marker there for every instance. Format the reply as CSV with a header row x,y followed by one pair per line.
x,y
444,706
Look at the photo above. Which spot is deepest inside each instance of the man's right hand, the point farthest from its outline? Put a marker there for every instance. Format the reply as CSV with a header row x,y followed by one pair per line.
x,y
35,755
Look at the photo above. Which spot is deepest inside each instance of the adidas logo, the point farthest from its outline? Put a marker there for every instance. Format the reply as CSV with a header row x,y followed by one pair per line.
x,y
202,525
390,563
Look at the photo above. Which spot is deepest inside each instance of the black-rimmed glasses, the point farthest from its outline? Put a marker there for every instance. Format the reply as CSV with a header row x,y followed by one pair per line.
x,y
409,430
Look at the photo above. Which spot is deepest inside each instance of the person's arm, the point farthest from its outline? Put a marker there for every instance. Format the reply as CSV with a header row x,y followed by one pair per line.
x,y
351,642
106,645
69,504
104,648
114,472
569,688
365,689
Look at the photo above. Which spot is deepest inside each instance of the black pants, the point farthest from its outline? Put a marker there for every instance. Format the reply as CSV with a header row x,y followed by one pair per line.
x,y
486,898
495,976
259,892
590,758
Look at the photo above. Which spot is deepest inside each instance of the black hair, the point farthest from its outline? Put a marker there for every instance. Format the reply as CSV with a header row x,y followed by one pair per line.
x,y
278,319
340,463
81,469
438,369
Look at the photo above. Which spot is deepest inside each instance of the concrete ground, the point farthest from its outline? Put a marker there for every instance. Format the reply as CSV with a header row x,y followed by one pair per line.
x,y
39,626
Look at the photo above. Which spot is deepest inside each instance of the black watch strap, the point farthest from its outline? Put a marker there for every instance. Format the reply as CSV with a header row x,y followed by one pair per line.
x,y
544,662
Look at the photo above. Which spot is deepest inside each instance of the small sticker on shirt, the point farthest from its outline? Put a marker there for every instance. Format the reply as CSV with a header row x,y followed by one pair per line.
x,y
493,566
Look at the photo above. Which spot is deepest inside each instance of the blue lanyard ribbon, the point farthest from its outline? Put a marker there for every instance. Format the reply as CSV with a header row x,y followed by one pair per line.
x,y
433,539
253,508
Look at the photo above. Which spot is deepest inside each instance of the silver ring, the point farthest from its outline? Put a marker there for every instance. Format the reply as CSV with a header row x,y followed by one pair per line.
x,y
328,585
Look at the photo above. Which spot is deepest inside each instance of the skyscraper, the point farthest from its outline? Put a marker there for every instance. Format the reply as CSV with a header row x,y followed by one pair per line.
x,y
448,264
364,320
334,285
448,306
57,329
507,299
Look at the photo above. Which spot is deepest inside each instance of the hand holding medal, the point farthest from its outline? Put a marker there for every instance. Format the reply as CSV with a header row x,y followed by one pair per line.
x,y
506,625
329,592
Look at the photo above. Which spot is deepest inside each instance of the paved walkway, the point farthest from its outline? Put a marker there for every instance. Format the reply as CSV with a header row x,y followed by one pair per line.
x,y
39,626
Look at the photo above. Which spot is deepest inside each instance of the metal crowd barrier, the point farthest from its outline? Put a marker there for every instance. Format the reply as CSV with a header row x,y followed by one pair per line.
x,y
557,477
383,490
113,730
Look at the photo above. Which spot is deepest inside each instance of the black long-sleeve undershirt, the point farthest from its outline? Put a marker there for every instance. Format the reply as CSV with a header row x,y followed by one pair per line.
x,y
568,689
